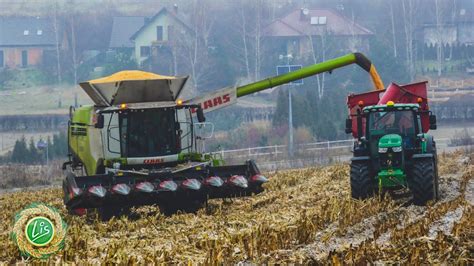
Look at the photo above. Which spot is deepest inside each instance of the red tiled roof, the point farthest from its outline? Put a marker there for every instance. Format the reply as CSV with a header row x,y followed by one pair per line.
x,y
293,25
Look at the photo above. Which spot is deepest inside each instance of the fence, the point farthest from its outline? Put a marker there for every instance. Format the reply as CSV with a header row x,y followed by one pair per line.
x,y
307,154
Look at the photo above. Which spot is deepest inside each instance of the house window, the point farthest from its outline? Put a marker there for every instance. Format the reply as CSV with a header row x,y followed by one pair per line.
x,y
26,32
319,20
144,51
39,32
2,64
159,33
24,58
170,32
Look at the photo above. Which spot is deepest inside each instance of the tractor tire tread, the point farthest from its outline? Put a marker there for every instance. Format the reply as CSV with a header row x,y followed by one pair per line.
x,y
362,183
423,181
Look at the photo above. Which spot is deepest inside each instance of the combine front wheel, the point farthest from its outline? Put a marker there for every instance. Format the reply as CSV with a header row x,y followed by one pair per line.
x,y
363,184
423,181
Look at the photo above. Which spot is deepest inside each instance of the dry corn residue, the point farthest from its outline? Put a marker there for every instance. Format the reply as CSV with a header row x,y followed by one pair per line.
x,y
304,216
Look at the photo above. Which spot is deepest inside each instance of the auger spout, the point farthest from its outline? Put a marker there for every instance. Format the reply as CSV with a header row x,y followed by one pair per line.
x,y
357,58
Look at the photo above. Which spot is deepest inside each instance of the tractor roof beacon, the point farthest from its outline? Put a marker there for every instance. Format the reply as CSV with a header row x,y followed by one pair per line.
x,y
139,144
393,148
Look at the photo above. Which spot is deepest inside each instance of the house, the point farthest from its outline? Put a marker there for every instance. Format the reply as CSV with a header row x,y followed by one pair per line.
x,y
452,32
159,31
25,40
123,28
298,30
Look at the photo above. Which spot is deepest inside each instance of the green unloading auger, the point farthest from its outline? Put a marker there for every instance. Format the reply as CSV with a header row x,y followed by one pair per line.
x,y
227,96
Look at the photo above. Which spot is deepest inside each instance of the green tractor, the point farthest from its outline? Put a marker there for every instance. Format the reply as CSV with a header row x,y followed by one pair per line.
x,y
393,149
140,144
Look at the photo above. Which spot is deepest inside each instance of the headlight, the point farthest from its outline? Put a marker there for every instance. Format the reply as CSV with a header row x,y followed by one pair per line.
x,y
116,165
383,150
397,149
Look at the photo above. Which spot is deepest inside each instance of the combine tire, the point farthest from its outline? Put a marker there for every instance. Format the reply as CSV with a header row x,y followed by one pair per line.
x,y
363,184
423,181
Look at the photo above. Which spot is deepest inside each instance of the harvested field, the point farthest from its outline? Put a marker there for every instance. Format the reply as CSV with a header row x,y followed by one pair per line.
x,y
305,216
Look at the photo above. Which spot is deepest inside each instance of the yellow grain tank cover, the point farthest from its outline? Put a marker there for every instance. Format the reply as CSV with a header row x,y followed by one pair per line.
x,y
133,86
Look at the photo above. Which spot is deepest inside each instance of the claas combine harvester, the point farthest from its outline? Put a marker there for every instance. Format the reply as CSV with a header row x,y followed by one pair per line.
x,y
139,143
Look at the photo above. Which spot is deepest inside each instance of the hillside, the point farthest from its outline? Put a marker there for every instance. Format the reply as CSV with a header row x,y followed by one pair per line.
x,y
304,216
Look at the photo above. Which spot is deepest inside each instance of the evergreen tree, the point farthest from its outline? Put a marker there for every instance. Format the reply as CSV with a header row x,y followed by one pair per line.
x,y
20,151
33,154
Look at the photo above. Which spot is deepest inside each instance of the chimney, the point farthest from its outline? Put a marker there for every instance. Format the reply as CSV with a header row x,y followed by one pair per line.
x,y
304,13
175,8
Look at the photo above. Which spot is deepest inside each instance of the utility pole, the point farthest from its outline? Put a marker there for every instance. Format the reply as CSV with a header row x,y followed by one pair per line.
x,y
281,70
290,123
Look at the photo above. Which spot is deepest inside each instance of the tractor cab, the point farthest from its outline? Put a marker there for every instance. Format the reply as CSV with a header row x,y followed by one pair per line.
x,y
392,126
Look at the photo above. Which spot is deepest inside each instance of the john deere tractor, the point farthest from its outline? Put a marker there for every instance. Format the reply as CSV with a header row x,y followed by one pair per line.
x,y
393,149
140,142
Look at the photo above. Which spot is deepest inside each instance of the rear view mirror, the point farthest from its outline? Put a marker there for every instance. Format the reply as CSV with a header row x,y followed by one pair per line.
x,y
200,115
348,125
204,130
100,121
433,122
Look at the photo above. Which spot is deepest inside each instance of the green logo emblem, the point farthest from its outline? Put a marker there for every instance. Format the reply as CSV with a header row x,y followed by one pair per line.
x,y
39,231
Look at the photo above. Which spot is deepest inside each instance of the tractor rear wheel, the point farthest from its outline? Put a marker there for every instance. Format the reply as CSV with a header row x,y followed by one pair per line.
x,y
423,181
363,184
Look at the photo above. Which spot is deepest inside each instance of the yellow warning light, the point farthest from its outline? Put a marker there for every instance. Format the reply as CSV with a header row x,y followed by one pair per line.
x,y
179,102
390,103
123,106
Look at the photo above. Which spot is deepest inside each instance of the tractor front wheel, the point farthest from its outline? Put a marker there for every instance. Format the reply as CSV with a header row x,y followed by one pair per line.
x,y
423,181
363,184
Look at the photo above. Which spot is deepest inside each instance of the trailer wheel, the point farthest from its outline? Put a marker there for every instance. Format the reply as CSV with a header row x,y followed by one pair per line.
x,y
363,184
423,181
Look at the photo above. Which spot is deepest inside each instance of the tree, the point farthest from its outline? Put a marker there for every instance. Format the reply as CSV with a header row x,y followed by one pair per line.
x,y
121,61
33,155
410,10
20,151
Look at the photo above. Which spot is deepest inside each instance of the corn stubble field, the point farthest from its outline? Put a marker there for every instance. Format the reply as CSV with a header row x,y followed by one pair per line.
x,y
305,216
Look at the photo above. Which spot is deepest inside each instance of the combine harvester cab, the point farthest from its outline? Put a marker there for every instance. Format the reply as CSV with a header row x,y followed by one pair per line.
x,y
393,148
138,145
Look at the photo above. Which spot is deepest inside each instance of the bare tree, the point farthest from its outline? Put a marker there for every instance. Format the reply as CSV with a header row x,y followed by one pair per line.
x,y
56,35
244,41
73,47
193,46
410,12
258,38
394,38
439,37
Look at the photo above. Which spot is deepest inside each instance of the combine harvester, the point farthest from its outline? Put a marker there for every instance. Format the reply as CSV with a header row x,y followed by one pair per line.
x,y
393,149
138,144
